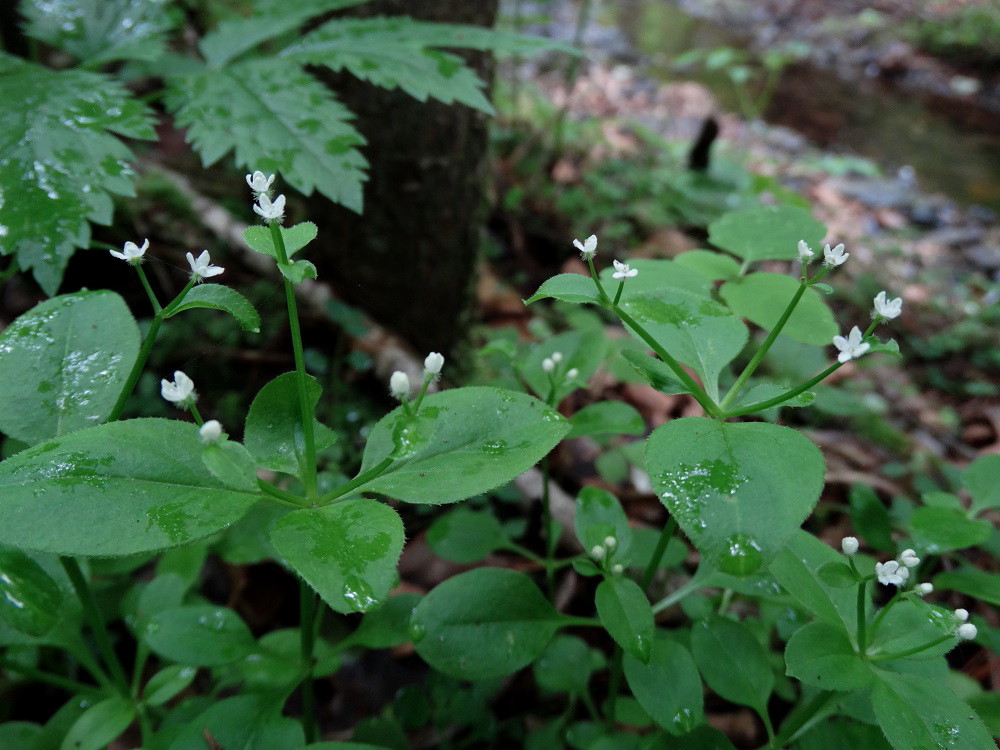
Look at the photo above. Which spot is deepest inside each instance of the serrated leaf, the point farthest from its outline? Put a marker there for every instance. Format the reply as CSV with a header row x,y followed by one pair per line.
x,y
762,298
219,297
270,19
766,232
78,349
96,31
465,441
59,163
117,489
278,119
295,238
346,551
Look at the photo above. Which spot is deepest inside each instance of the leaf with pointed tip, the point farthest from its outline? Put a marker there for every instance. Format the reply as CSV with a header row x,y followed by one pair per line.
x,y
297,271
580,350
823,656
668,687
766,232
732,661
466,536
220,297
295,238
29,598
199,635
567,287
626,615
659,277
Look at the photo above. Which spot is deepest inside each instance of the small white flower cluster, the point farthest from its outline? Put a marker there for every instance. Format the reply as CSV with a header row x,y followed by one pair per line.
x,y
849,545
964,629
603,553
851,347
832,257
896,572
551,363
265,208
399,381
201,267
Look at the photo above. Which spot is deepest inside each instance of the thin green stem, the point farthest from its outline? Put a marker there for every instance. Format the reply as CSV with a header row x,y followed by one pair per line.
x,y
420,396
860,605
588,703
547,535
768,403
800,717
601,294
195,414
666,534
288,498
39,675
307,642
883,612
696,390
695,583
305,411
141,654
910,651
618,294
172,306
137,367
149,290
768,726
359,480
764,347
96,621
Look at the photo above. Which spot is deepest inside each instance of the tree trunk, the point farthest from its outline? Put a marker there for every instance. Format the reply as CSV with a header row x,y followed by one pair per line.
x,y
410,259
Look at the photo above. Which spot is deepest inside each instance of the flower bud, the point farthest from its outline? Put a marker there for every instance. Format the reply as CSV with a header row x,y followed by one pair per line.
x,y
849,545
967,631
923,589
597,552
961,615
610,542
211,431
909,558
433,364
617,569
399,385
548,364
572,374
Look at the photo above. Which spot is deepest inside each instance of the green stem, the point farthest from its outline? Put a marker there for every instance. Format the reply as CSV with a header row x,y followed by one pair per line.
x,y
137,367
911,651
764,347
696,582
172,306
96,621
420,396
307,642
39,675
149,290
141,654
618,294
696,390
768,403
614,682
860,605
661,546
309,474
800,717
547,535
883,612
195,414
288,498
601,294
359,480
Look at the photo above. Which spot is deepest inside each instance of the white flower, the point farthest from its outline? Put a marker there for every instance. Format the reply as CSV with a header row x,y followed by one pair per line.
x,y
597,552
211,431
610,542
268,210
961,614
891,573
852,347
622,271
433,364
399,385
131,252
180,391
909,558
587,248
617,569
548,364
200,266
923,589
849,545
259,183
836,256
572,373
967,631
888,308
805,254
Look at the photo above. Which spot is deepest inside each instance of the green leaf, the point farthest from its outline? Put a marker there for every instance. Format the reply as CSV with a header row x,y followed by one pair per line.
x,y
837,734
99,724
870,518
566,665
270,19
273,432
761,392
243,722
385,626
982,477
946,529
915,713
117,489
199,635
972,582
231,464
606,418
733,662
470,440
346,551
626,615
219,297
96,31
655,372
766,232
167,683
399,53
567,287
465,536
738,490
483,624
668,687
837,575
657,277
580,350
295,238
63,364
29,598
275,664
278,119
762,298
298,271
59,153
912,623
712,265
695,330
823,656
598,515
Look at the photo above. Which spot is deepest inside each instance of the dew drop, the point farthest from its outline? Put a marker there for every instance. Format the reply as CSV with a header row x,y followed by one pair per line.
x,y
417,631
740,556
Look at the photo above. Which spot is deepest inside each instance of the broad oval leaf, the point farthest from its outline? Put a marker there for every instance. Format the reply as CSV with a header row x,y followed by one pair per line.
x,y
626,615
63,364
597,516
294,237
766,232
116,489
465,536
668,687
823,656
483,624
567,287
982,477
581,351
606,418
385,626
29,598
739,490
695,330
973,582
167,683
762,298
346,551
469,441
732,661
940,530
99,724
566,665
243,722
199,635
661,277
220,297
712,265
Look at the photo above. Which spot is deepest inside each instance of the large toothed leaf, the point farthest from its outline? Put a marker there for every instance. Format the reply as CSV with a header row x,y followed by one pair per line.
x,y
59,162
278,119
116,489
